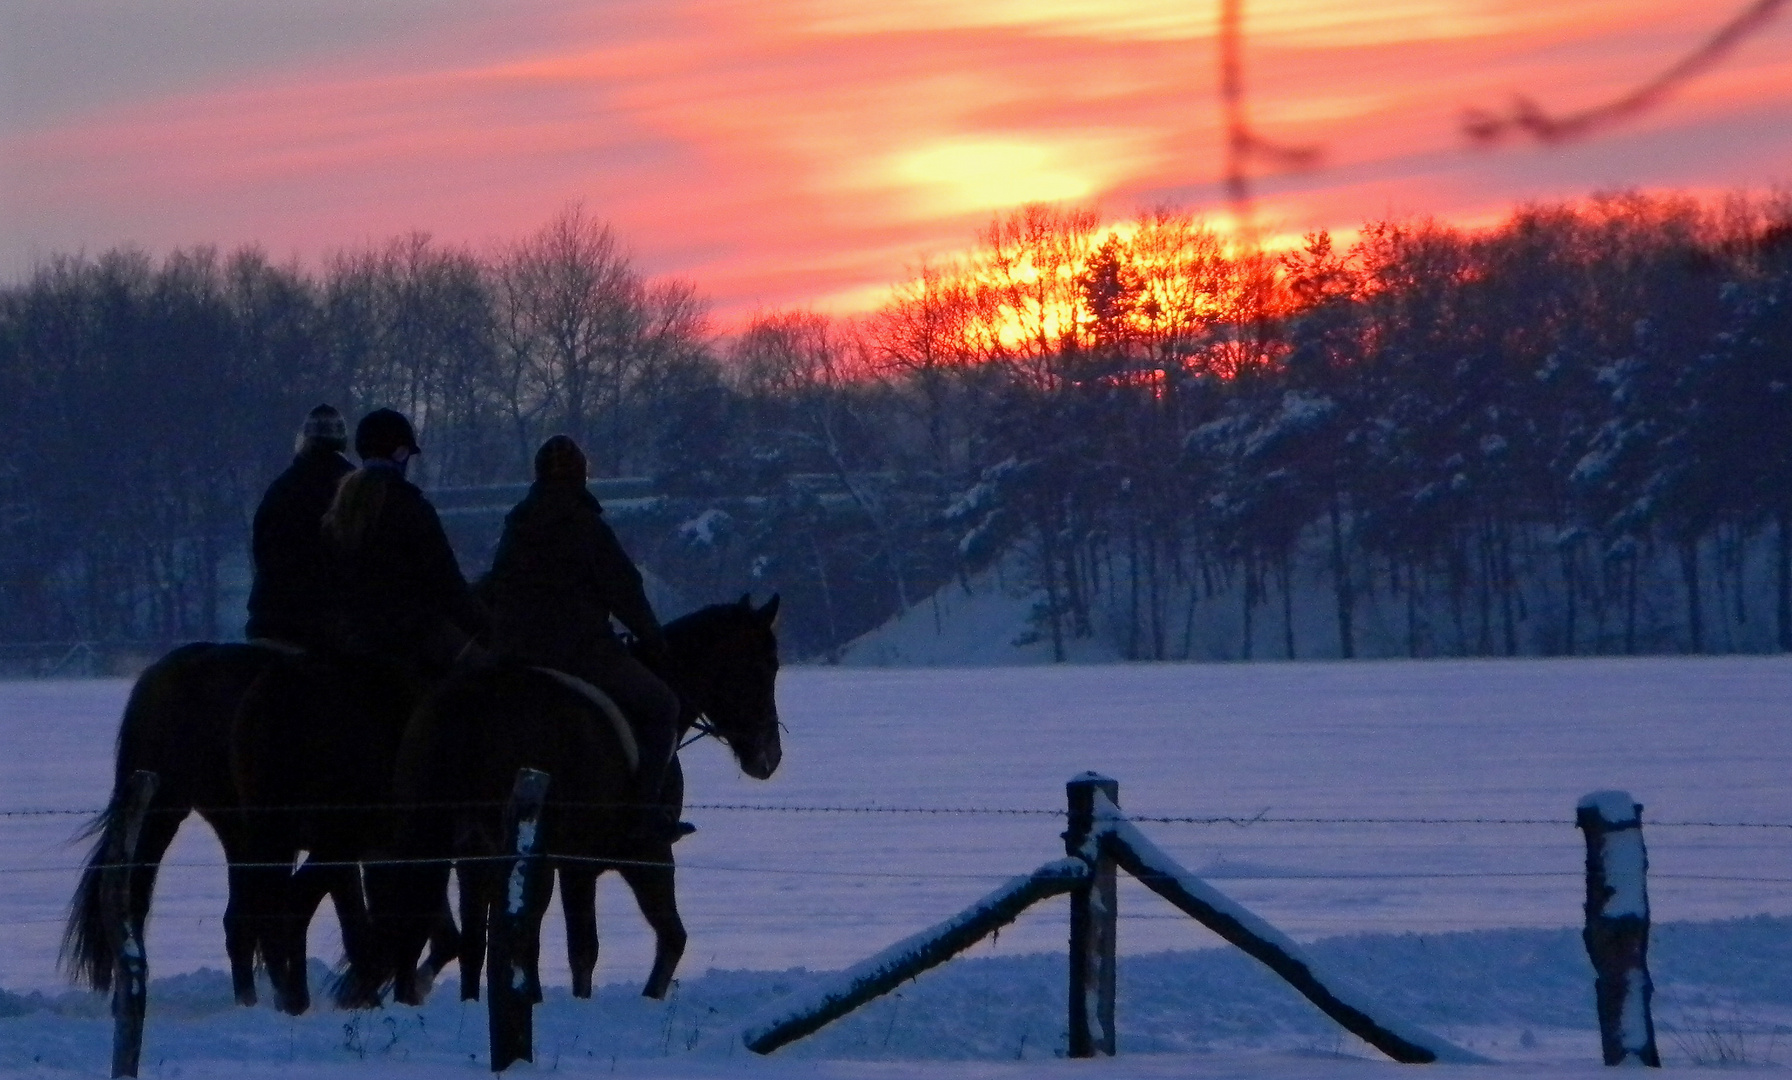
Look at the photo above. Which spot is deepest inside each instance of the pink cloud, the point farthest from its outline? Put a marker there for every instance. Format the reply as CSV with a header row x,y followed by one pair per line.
x,y
793,151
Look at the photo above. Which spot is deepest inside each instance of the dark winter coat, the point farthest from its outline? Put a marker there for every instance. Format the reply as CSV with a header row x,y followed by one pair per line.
x,y
290,597
397,577
559,575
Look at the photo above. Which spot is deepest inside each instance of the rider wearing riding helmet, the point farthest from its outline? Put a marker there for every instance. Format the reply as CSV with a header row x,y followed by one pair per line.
x,y
558,577
289,600
401,593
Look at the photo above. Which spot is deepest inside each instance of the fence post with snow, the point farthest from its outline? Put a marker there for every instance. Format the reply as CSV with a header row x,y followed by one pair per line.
x,y
509,1003
130,967
1617,932
1098,836
1093,921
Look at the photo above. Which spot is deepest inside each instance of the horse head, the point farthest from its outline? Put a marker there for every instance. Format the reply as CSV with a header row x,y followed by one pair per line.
x,y
726,659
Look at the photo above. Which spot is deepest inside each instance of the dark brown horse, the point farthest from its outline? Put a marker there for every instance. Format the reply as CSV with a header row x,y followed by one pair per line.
x,y
460,758
178,724
311,757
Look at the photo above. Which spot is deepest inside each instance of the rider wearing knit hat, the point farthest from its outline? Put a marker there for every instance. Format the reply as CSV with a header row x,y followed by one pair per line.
x,y
290,597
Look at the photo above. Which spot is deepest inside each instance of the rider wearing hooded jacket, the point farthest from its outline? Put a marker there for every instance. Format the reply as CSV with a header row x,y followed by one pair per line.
x,y
558,577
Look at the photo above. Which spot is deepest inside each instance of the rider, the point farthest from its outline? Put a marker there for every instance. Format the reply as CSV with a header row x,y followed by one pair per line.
x,y
559,575
402,596
288,601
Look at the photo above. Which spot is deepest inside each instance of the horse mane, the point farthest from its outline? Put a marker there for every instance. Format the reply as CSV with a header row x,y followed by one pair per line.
x,y
704,623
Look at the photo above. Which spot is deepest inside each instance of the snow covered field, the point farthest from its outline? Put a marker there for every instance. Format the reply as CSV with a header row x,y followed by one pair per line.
x,y
1695,740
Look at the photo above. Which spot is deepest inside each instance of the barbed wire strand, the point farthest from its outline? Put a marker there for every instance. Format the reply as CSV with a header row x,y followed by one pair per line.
x,y
1262,817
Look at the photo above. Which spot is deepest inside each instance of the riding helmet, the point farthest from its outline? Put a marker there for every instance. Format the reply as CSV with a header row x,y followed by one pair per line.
x,y
383,431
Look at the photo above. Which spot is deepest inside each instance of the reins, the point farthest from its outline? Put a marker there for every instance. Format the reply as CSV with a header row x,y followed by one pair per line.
x,y
703,726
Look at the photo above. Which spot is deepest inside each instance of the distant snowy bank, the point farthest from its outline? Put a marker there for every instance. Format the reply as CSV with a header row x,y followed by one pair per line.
x,y
996,616
1513,995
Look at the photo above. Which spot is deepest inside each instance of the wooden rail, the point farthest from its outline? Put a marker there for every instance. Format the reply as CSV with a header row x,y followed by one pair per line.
x,y
1099,840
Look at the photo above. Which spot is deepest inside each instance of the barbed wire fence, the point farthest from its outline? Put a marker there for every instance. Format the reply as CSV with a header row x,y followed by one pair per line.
x,y
1259,820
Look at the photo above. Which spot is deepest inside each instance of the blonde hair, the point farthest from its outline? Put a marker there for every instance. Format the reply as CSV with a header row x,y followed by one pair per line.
x,y
360,496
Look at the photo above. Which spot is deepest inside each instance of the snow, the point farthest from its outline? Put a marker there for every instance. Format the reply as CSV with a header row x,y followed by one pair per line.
x,y
1624,858
838,993
706,528
1156,862
981,621
1613,807
1468,929
1625,868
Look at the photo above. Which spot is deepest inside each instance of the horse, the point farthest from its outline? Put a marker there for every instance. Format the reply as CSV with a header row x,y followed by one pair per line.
x,y
311,755
458,761
177,723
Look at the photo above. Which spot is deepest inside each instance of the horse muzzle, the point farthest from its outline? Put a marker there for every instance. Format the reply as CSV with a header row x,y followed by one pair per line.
x,y
764,760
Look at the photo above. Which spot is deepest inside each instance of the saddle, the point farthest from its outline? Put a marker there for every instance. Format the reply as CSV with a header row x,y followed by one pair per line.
x,y
606,705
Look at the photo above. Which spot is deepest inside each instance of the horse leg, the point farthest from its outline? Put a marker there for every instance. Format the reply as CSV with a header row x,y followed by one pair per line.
x,y
404,902
444,945
653,886
305,890
358,935
157,832
260,896
539,894
578,901
474,920
239,923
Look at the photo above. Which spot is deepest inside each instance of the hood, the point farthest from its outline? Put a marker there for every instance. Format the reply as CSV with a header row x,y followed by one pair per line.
x,y
549,503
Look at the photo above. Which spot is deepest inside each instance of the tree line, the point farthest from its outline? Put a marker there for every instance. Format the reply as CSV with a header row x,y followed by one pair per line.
x,y
1570,432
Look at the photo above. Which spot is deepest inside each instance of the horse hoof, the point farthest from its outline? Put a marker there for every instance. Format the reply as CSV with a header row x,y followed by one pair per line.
x,y
426,982
247,998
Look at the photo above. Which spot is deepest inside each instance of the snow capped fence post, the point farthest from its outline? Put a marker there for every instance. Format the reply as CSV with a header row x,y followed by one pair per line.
x,y
1092,922
130,967
508,1003
1617,933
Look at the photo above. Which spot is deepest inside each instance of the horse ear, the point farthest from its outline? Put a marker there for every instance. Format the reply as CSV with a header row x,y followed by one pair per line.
x,y
769,613
746,599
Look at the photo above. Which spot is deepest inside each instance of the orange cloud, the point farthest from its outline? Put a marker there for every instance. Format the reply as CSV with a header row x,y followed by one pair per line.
x,y
807,151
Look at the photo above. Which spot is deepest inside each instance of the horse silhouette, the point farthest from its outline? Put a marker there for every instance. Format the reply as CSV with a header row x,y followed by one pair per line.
x,y
459,760
178,724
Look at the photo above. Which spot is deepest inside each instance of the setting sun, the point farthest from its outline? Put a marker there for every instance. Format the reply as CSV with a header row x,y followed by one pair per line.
x,y
806,151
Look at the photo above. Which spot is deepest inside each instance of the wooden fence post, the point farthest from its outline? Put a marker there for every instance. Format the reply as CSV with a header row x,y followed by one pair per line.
x,y
1092,923
508,1007
1617,933
130,966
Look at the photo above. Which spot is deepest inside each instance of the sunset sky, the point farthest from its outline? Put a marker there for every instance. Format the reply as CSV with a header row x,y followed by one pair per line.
x,y
806,152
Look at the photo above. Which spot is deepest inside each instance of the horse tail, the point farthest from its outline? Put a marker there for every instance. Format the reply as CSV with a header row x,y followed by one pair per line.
x,y
86,946
86,954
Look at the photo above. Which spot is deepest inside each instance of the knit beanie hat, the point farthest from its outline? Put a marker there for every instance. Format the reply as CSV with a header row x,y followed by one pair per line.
x,y
324,424
561,459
